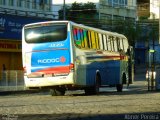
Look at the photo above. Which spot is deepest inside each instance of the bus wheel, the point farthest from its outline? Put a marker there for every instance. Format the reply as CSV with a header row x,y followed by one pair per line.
x,y
93,89
57,91
119,87
97,84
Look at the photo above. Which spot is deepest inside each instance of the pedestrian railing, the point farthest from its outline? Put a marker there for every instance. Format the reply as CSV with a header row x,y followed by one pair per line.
x,y
11,80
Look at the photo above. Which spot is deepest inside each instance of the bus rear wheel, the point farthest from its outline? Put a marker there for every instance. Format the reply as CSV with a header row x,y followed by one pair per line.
x,y
57,91
119,87
94,89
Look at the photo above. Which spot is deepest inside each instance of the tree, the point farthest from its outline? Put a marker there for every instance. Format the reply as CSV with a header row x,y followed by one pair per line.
x,y
80,13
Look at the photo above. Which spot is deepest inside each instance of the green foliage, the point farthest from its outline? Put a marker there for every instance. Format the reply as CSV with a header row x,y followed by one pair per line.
x,y
129,28
79,11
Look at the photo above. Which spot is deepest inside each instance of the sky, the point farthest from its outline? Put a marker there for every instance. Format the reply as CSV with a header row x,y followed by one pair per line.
x,y
72,1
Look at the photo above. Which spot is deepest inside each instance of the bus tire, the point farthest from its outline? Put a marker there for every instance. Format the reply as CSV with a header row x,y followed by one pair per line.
x,y
97,84
94,89
57,92
119,87
88,91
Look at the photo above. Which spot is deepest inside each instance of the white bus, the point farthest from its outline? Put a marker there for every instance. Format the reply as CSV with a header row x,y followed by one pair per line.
x,y
63,55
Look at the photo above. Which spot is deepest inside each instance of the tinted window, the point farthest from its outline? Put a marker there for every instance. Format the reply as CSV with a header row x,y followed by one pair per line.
x,y
45,33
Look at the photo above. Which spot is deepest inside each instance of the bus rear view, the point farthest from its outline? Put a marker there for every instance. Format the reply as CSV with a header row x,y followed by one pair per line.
x,y
46,55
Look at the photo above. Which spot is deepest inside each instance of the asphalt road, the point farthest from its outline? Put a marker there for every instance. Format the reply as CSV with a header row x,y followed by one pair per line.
x,y
134,103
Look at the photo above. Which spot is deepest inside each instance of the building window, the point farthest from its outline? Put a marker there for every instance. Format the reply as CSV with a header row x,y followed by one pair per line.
x,y
110,2
116,17
121,2
19,3
11,2
42,4
126,2
45,4
34,4
114,3
2,2
49,5
27,3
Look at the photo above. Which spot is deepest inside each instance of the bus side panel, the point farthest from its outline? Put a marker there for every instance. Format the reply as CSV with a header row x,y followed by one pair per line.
x,y
124,68
81,75
112,75
109,72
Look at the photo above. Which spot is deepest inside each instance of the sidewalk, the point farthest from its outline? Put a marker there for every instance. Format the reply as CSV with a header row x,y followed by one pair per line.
x,y
140,73
140,69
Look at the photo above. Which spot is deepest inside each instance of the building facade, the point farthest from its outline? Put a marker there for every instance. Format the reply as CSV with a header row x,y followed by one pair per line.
x,y
154,9
143,9
14,14
118,9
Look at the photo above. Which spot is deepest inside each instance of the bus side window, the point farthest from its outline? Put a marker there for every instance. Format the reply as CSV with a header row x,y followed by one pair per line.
x,y
118,43
93,40
78,42
97,41
82,38
75,34
115,44
121,44
105,42
110,41
77,37
125,43
100,41
85,38
89,39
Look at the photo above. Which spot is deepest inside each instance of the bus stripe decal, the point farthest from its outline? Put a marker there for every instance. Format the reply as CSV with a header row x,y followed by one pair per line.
x,y
62,69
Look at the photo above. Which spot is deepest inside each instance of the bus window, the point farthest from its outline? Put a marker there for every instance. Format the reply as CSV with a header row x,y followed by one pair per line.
x,y
93,42
100,41
85,38
105,42
118,43
97,41
112,43
89,39
78,42
75,34
46,33
109,43
82,38
115,44
125,43
77,37
121,44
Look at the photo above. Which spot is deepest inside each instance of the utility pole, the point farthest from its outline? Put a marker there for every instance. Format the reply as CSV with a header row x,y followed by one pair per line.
x,y
64,10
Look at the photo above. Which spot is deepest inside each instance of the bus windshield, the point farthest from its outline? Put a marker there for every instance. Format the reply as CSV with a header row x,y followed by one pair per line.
x,y
45,33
